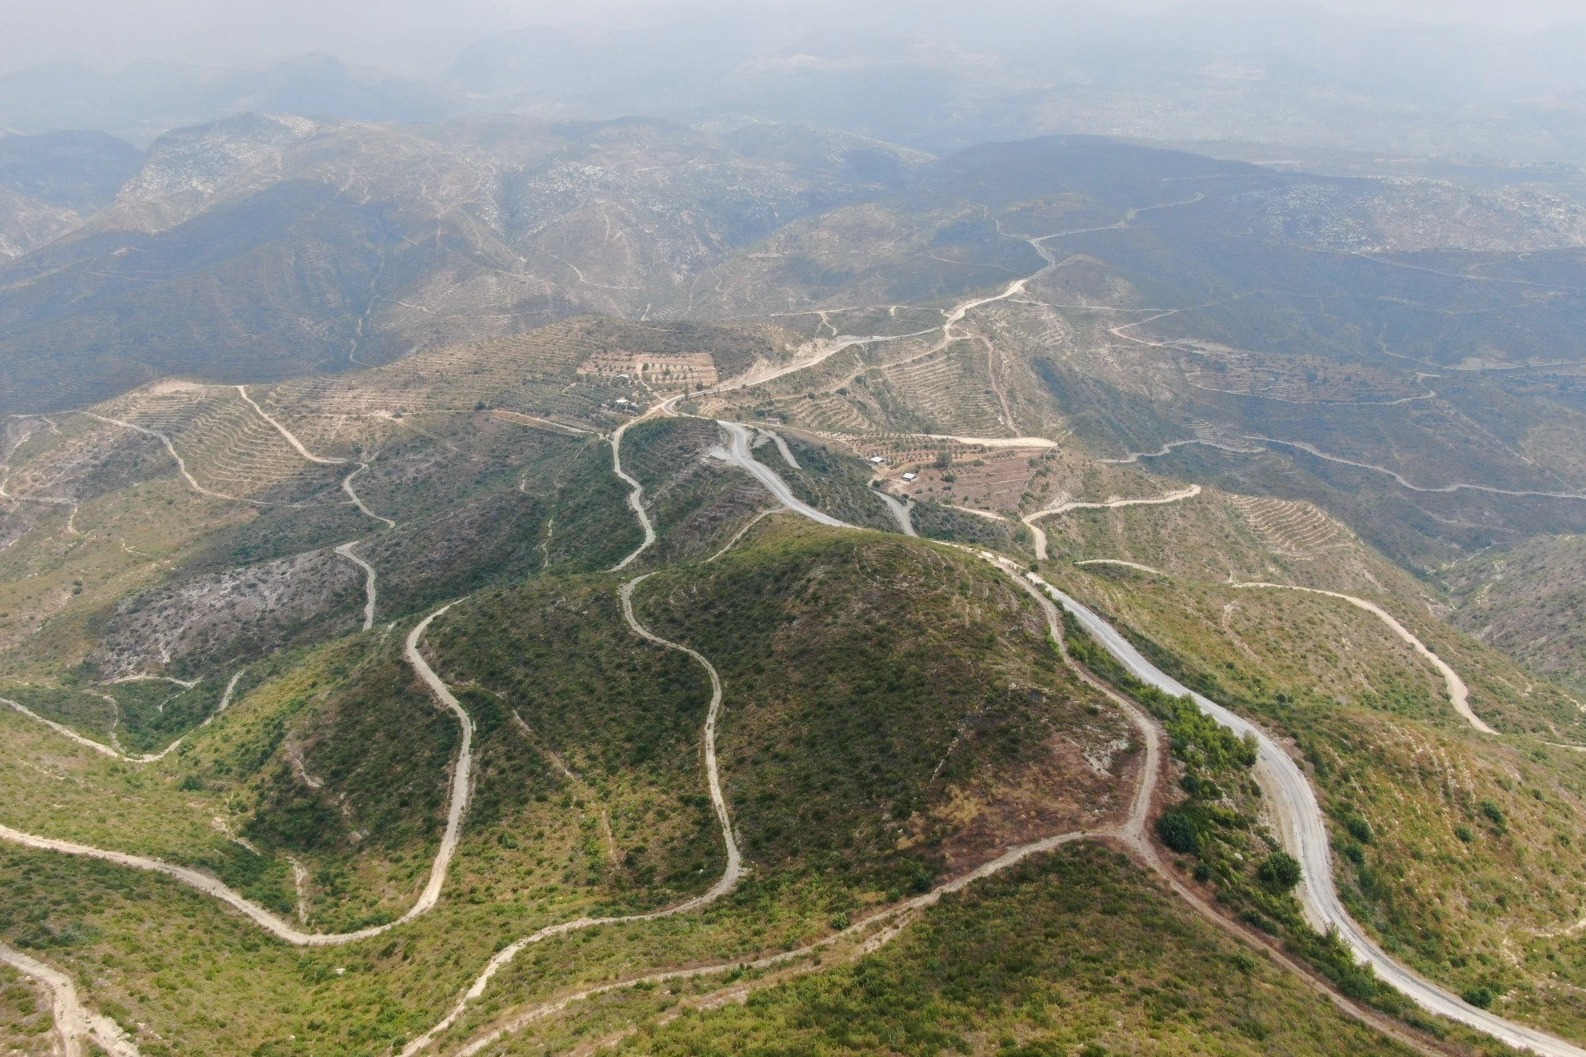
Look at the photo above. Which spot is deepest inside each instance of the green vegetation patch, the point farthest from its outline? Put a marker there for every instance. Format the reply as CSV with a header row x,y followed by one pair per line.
x,y
865,676
1072,953
1457,850
622,716
27,1022
939,521
377,745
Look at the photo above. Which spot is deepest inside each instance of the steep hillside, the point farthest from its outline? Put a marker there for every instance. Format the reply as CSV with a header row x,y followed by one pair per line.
x,y
1527,601
376,240
1426,814
80,171
1035,964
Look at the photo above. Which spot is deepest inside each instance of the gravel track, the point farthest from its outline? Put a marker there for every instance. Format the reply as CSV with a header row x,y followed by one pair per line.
x,y
635,496
1112,504
345,550
1458,692
116,754
75,1023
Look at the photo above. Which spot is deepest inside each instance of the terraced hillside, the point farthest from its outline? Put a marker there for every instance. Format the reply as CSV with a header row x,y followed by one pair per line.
x,y
1123,313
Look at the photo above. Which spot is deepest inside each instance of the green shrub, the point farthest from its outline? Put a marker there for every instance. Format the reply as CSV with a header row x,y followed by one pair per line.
x,y
1360,829
1178,833
1493,813
1480,996
1280,872
1359,985
1464,833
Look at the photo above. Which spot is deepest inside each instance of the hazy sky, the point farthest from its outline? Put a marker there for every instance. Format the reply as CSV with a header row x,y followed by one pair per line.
x,y
421,35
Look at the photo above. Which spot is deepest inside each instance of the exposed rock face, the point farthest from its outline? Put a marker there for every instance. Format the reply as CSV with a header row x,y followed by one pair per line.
x,y
224,612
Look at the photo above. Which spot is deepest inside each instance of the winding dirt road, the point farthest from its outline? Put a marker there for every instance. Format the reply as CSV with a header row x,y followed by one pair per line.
x,y
323,460
462,772
457,809
734,867
74,1022
345,550
1406,483
181,464
635,495
782,448
1458,692
900,512
117,754
1112,504
730,875
952,317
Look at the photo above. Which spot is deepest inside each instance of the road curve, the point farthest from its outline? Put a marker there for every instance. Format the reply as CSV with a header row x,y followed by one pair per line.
x,y
1303,830
1112,504
734,868
900,512
730,875
782,448
635,496
346,486
181,464
75,1024
1458,692
1120,562
115,754
345,550
323,460
457,809
737,452
462,772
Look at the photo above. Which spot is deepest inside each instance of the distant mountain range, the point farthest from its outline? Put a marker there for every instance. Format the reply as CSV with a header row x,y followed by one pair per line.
x,y
1275,73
